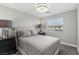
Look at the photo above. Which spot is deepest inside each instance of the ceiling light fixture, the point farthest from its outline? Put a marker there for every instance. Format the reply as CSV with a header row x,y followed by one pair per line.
x,y
42,7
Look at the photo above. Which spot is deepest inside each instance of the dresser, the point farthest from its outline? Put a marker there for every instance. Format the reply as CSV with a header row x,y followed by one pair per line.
x,y
7,46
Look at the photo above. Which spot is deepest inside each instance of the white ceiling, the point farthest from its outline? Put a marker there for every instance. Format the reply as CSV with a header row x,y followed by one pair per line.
x,y
54,8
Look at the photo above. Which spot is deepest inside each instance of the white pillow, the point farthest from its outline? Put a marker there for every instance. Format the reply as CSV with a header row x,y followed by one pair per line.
x,y
27,33
34,32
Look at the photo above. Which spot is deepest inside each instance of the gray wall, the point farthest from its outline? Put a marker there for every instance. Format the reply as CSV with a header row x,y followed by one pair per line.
x,y
8,13
18,18
25,21
69,33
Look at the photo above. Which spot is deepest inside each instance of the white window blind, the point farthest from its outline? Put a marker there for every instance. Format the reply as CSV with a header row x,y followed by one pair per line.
x,y
55,24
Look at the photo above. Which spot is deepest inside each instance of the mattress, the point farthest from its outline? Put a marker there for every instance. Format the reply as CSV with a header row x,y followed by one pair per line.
x,y
39,44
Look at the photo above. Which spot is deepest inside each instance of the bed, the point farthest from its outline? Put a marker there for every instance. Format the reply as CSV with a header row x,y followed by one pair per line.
x,y
39,45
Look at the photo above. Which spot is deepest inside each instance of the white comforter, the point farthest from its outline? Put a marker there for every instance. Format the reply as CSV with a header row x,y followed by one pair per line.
x,y
39,44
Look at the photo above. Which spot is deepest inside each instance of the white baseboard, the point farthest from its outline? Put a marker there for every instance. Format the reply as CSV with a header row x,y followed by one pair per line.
x,y
72,45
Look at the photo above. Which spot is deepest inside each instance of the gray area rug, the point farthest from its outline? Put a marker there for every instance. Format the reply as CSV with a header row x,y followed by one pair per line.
x,y
67,50
64,50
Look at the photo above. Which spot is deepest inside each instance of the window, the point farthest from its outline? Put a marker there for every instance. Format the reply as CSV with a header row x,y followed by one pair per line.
x,y
55,24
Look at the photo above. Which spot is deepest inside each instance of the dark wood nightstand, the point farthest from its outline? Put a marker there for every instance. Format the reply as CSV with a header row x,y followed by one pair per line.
x,y
7,45
43,33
